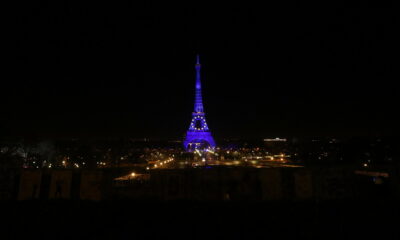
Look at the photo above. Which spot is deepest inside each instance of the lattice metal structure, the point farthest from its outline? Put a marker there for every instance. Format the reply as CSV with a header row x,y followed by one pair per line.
x,y
198,136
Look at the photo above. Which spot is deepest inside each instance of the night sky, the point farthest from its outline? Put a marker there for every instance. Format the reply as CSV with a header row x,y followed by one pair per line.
x,y
121,69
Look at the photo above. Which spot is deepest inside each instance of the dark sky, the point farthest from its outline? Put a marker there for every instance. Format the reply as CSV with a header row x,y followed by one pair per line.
x,y
127,69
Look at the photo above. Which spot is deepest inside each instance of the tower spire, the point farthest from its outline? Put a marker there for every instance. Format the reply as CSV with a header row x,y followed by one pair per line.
x,y
198,103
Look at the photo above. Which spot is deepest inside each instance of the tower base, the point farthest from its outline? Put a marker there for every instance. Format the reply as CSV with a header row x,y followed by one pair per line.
x,y
198,140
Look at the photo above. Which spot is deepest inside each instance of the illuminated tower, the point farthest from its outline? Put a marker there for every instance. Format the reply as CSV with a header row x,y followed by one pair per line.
x,y
198,136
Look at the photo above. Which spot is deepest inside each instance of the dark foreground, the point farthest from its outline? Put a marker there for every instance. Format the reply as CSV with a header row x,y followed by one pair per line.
x,y
372,219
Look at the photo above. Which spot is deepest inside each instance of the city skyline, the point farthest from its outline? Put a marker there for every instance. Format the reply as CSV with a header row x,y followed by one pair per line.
x,y
236,120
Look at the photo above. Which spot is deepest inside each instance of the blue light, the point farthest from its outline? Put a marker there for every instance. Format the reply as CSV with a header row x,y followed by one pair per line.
x,y
198,137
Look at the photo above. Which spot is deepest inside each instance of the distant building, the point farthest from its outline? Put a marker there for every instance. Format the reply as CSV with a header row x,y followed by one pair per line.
x,y
275,140
276,145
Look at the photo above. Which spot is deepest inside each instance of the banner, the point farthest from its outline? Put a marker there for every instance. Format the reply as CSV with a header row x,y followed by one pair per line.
x,y
303,184
90,188
174,188
29,185
333,183
60,186
7,184
271,184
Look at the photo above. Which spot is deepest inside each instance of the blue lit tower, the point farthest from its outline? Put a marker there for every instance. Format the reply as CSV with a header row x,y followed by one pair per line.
x,y
198,136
